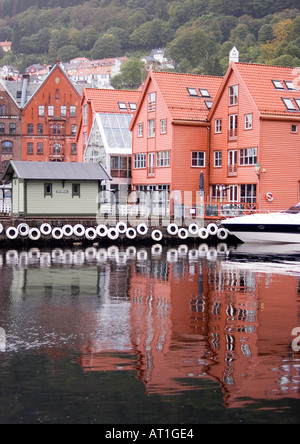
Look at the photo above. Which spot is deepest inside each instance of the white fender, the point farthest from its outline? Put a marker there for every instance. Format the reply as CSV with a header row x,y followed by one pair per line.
x,y
183,233
113,234
102,230
172,255
212,229
79,230
203,233
90,233
142,229
173,229
1,228
57,233
157,235
46,229
11,233
131,233
194,229
156,250
222,234
34,234
121,227
23,229
68,230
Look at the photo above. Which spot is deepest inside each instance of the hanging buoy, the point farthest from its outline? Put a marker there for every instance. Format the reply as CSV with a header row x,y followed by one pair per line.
x,y
57,233
142,229
222,234
79,230
212,229
183,233
102,230
46,229
34,234
23,229
157,235
90,233
113,234
172,229
131,233
11,233
203,233
121,227
68,230
194,229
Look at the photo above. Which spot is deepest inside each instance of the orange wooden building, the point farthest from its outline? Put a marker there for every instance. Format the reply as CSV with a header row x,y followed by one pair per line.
x,y
171,133
50,120
255,137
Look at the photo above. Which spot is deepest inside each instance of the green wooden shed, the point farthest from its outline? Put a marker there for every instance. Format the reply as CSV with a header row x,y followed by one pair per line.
x,y
50,189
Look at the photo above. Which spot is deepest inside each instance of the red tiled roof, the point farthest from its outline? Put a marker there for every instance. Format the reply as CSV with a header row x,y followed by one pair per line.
x,y
107,100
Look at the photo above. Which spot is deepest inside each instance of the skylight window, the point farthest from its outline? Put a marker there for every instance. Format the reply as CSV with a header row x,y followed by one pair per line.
x,y
278,84
290,85
122,105
204,92
298,102
209,104
289,104
193,92
132,106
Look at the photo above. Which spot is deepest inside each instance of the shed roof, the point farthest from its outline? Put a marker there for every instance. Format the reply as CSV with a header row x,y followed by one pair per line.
x,y
55,171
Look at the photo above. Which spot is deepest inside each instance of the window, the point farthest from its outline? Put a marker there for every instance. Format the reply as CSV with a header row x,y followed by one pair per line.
x,y
218,126
41,111
204,92
218,193
75,190
163,159
248,121
152,102
233,95
248,193
248,156
233,126
298,102
289,104
290,85
277,84
193,92
122,106
57,94
56,149
2,110
139,161
40,129
48,189
30,128
7,147
40,148
132,106
198,159
73,130
85,115
73,148
218,159
163,126
12,128
140,130
73,111
63,111
50,111
209,104
30,148
151,128
294,129
2,128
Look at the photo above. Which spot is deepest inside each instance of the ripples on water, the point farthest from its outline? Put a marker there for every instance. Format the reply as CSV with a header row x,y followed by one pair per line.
x,y
180,319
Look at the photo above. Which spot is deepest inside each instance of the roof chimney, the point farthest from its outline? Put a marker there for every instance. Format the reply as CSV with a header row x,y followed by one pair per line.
x,y
234,55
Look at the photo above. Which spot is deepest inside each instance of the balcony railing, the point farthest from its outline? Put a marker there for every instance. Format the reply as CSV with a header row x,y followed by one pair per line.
x,y
232,171
121,174
232,134
151,171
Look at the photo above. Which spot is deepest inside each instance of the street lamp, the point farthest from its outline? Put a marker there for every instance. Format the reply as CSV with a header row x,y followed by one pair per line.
x,y
257,169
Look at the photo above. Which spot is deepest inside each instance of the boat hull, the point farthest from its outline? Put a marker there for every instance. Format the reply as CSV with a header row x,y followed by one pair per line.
x,y
263,236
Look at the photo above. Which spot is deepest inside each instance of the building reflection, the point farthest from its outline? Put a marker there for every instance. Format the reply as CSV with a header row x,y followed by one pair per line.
x,y
179,317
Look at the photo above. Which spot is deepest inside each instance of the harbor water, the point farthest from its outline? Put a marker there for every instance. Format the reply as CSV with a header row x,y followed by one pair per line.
x,y
150,335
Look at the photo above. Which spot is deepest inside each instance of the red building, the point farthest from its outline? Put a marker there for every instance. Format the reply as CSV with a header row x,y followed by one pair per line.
x,y
50,120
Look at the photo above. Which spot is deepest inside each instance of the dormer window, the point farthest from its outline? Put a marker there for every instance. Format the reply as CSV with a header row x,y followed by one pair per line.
x,y
277,84
289,104
193,92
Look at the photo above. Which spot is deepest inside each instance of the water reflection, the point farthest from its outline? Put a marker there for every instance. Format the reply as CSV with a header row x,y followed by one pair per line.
x,y
175,316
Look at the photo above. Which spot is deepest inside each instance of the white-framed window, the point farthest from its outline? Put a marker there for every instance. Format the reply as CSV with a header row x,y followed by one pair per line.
x,y
122,106
50,111
248,121
198,159
139,161
73,110
132,106
163,126
248,156
233,126
217,159
163,159
151,128
85,115
233,95
41,111
151,102
248,193
63,111
218,126
140,130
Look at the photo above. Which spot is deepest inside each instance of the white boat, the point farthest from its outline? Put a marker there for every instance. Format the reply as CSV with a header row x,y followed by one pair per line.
x,y
281,227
